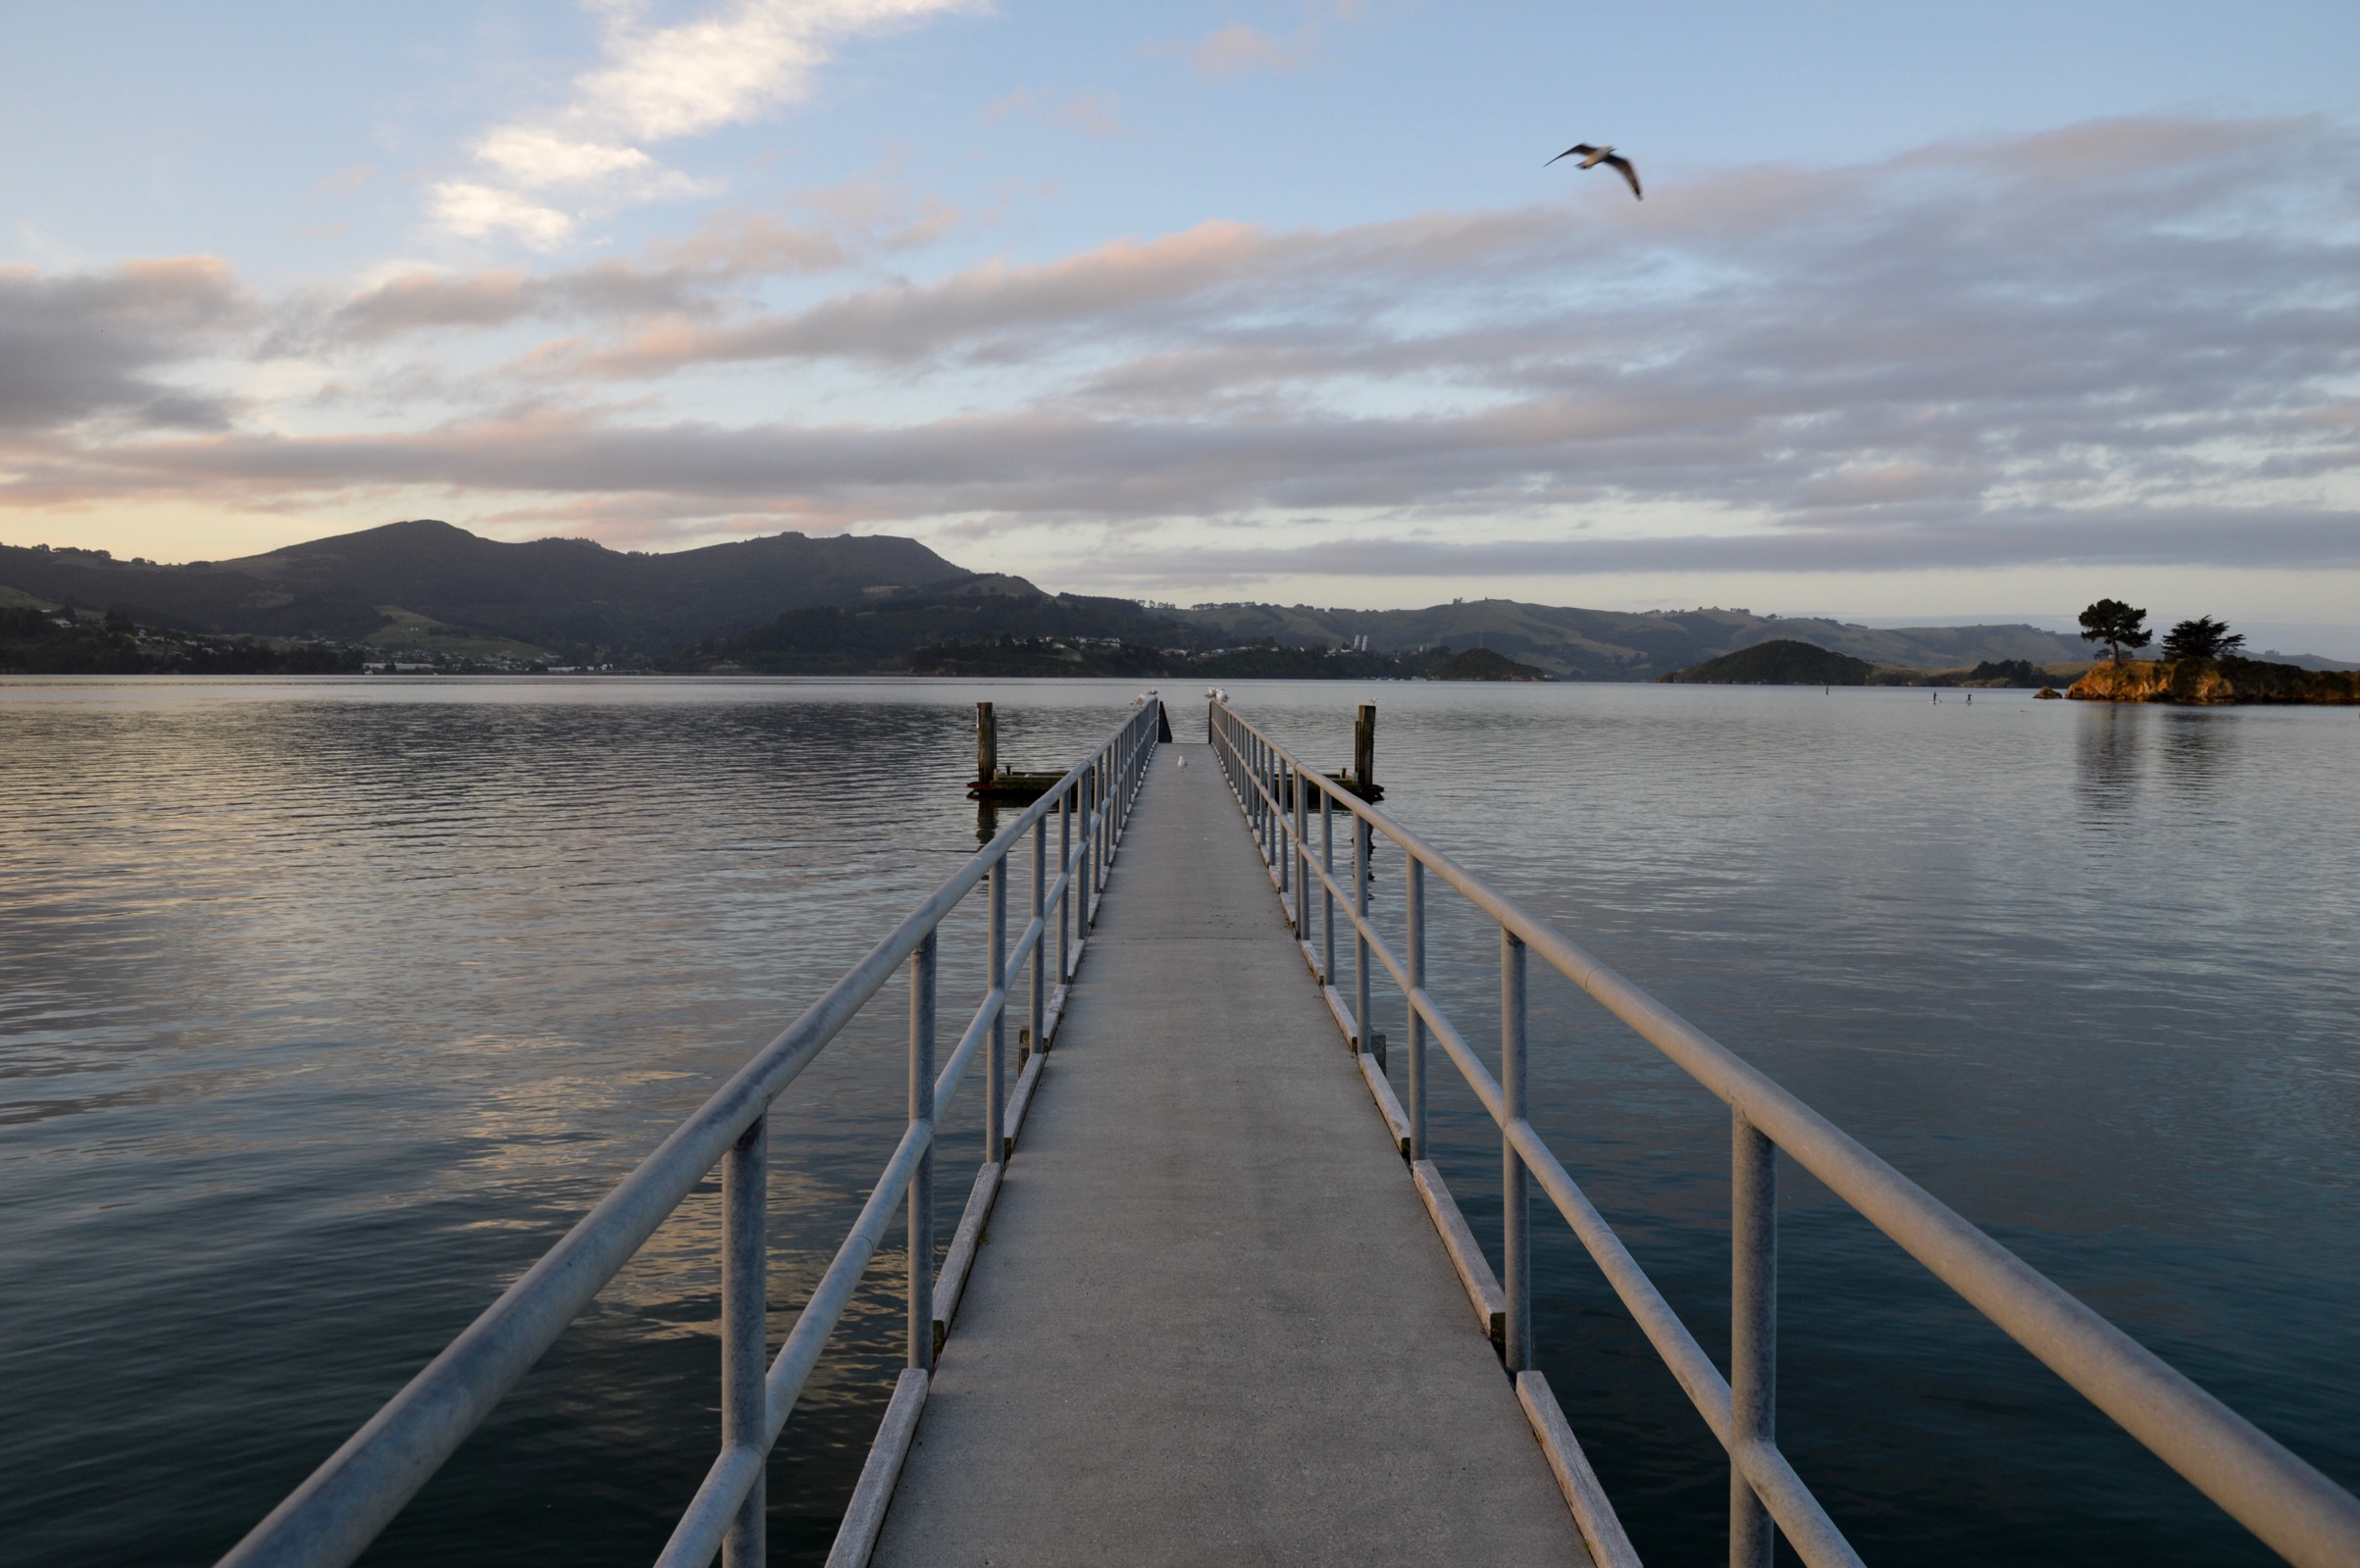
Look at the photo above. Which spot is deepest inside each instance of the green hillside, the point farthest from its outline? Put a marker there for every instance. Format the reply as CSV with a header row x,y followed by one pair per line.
x,y
1481,664
787,602
1626,646
984,626
1782,663
550,593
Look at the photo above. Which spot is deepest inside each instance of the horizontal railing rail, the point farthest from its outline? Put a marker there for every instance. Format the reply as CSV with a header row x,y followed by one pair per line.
x,y
2282,1500
334,1515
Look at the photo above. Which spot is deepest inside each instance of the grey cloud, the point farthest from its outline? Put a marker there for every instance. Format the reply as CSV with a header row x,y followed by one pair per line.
x,y
425,301
1039,465
2142,309
1215,278
2129,342
81,346
2181,537
695,276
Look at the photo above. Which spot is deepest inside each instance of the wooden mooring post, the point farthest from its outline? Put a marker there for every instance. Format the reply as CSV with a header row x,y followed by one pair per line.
x,y
1360,779
986,747
993,783
1363,751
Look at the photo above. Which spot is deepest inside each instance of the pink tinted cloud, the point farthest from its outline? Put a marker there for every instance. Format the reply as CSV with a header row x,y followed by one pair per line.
x,y
1960,343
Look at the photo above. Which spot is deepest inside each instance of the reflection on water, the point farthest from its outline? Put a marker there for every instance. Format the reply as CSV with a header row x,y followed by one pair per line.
x,y
2196,754
2109,1019
2107,781
326,1006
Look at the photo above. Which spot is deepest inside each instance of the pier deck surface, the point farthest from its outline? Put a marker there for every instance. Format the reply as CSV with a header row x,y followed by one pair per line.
x,y
1212,1323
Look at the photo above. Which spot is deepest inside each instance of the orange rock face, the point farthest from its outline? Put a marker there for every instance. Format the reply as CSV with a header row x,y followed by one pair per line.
x,y
2211,680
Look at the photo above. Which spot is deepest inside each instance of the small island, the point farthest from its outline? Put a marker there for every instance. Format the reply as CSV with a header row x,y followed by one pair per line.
x,y
2200,664
1481,664
2228,678
1780,662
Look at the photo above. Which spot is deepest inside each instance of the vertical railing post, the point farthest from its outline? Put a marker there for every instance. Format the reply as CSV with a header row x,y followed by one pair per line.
x,y
1254,796
1085,874
1262,797
744,1357
1300,859
1360,846
1327,886
1261,793
1042,957
1516,1198
1413,900
996,1075
1752,1330
1282,821
1065,869
1270,819
1270,789
1278,837
921,1184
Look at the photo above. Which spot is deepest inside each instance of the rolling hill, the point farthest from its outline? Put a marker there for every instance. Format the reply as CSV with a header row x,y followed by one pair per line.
x,y
1626,645
549,593
1782,662
792,602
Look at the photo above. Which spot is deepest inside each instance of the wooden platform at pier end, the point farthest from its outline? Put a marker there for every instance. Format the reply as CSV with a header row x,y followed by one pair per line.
x,y
1212,1323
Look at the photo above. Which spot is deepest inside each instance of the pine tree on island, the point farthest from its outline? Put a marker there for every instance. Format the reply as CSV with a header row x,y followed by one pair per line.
x,y
2201,639
2118,625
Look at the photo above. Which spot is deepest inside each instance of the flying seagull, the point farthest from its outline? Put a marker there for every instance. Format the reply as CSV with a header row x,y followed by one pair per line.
x,y
1592,157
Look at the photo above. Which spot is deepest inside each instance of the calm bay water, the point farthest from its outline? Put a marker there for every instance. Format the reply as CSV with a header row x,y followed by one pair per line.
x,y
326,1006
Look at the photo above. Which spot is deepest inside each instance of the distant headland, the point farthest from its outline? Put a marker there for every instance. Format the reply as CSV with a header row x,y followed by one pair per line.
x,y
2199,664
1785,662
425,598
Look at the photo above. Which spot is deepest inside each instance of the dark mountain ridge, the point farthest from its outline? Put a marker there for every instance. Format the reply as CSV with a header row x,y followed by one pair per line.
x,y
1782,662
1578,644
756,604
576,591
549,593
889,631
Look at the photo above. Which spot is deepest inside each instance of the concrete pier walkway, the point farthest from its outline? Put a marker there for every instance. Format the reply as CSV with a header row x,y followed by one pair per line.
x,y
1211,1322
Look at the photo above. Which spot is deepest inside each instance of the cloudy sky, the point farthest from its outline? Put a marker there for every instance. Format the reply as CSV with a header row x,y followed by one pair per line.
x,y
1937,311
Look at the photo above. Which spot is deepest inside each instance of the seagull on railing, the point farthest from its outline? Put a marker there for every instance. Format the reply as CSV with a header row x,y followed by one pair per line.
x,y
1592,157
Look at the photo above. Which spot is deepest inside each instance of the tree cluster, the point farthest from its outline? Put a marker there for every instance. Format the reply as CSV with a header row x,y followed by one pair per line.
x,y
2120,625
2201,639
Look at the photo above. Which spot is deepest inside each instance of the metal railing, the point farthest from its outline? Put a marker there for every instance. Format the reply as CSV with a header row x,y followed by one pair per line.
x,y
332,1517
2287,1504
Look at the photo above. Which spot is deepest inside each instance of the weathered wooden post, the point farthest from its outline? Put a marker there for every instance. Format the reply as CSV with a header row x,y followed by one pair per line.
x,y
1363,751
987,745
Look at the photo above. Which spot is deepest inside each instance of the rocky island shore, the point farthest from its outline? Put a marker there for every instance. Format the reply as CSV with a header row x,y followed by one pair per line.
x,y
2214,681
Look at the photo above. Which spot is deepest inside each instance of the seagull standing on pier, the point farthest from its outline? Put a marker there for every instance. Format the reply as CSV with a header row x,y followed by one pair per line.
x,y
1592,157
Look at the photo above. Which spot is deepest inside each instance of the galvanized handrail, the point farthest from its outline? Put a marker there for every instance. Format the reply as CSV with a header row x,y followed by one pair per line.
x,y
2286,1502
334,1514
